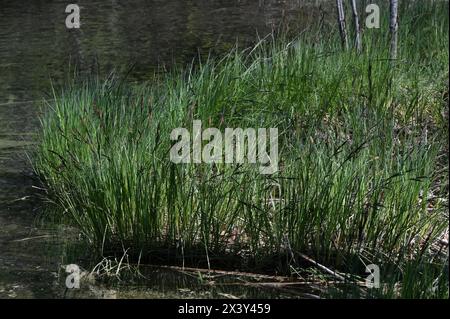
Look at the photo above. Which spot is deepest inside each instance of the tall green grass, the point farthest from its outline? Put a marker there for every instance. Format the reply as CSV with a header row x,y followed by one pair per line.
x,y
362,174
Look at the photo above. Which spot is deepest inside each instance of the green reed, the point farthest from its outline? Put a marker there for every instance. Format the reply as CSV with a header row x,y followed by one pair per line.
x,y
362,151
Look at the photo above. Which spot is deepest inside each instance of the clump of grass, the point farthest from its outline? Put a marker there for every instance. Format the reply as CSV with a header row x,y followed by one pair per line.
x,y
361,144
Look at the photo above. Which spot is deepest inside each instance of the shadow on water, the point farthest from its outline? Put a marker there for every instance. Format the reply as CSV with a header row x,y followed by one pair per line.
x,y
36,47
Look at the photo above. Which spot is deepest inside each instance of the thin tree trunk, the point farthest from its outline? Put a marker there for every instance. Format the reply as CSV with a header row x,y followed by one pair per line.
x,y
358,42
341,21
393,26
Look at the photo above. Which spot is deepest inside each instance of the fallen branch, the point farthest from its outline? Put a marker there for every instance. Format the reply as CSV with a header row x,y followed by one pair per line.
x,y
322,267
222,272
31,238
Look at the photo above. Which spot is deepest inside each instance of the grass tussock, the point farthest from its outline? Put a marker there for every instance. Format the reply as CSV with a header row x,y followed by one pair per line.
x,y
363,167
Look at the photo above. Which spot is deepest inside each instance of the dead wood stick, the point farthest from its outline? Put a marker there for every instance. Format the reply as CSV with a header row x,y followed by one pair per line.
x,y
331,272
30,238
221,272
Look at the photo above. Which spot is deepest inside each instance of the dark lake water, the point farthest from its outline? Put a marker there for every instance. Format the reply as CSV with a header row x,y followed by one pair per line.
x,y
36,49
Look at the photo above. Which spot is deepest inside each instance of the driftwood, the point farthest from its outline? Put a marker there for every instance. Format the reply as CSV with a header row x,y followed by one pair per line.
x,y
31,238
222,272
282,284
322,267
282,279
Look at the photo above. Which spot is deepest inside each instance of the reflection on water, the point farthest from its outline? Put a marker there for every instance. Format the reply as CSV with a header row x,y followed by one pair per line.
x,y
35,44
37,49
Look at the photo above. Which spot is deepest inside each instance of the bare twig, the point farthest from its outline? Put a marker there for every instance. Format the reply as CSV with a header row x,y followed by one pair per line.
x,y
322,267
222,272
31,238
